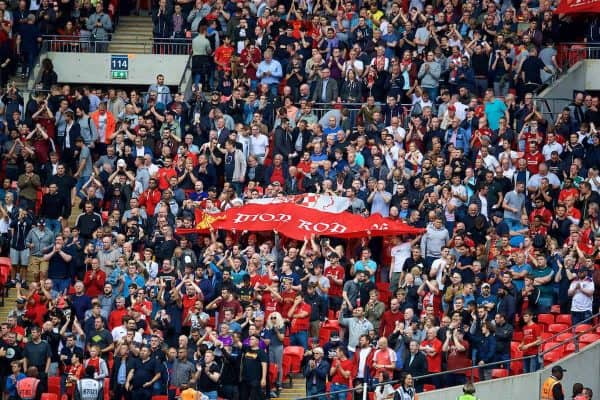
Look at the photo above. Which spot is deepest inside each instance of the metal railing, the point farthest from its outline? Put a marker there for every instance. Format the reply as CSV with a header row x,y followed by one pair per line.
x,y
470,371
84,44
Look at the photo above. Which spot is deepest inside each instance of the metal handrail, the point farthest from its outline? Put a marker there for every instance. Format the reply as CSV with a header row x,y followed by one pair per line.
x,y
487,365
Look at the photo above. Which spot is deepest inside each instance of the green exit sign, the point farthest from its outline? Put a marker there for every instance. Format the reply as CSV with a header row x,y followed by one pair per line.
x,y
119,74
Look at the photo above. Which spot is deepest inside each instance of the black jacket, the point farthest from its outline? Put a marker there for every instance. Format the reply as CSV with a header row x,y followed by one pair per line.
x,y
419,365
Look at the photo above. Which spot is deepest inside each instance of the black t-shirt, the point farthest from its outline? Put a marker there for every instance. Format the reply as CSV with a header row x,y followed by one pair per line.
x,y
531,67
251,365
13,353
205,384
144,372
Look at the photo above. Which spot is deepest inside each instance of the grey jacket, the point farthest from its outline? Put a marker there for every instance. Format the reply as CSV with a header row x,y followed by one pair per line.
x,y
41,241
100,32
430,78
88,129
433,240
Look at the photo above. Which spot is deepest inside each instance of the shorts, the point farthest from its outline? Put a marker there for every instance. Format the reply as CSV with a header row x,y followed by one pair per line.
x,y
37,264
19,257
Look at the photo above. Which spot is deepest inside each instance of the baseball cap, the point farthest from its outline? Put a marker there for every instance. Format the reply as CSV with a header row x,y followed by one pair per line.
x,y
487,285
558,368
334,336
41,221
20,300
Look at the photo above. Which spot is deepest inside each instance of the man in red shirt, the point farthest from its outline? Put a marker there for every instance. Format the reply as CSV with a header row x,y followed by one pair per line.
x,y
340,372
390,317
299,315
150,197
335,273
534,158
165,173
384,359
532,338
432,347
226,301
223,55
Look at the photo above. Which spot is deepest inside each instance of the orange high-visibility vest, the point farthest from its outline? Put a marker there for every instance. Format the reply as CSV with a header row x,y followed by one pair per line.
x,y
548,387
27,388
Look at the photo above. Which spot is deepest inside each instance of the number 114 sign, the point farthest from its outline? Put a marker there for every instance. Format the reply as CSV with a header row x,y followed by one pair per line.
x,y
119,66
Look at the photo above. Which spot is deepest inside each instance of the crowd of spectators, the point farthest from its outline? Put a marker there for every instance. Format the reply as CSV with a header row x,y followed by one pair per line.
x,y
446,137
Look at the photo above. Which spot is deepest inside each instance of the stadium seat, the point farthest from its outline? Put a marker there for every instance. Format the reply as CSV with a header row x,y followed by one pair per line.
x,y
160,397
546,320
583,328
517,336
474,372
107,392
557,328
569,348
553,346
499,373
588,338
54,385
5,261
563,319
273,370
49,396
428,387
563,337
546,336
294,355
552,357
555,309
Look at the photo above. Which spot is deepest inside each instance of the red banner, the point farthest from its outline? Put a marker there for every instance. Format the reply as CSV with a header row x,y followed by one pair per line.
x,y
578,7
299,222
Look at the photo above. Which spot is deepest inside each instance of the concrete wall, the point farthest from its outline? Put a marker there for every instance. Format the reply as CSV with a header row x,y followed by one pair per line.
x,y
581,367
95,68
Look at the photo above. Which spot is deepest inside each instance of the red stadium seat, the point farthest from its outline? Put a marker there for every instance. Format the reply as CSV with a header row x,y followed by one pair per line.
x,y
545,319
49,396
499,373
552,357
557,328
54,385
583,328
5,261
563,319
553,346
293,355
428,387
546,336
588,338
563,337
107,392
273,371
474,372
569,348
160,397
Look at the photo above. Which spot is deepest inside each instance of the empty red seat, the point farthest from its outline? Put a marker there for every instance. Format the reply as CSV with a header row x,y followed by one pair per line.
x,y
5,261
160,397
552,357
552,346
557,328
563,319
588,338
499,373
583,328
54,385
273,371
49,396
428,387
569,348
294,354
563,337
546,336
546,319
555,309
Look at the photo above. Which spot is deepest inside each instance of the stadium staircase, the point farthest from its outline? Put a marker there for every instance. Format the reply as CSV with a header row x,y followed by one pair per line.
x,y
132,36
296,391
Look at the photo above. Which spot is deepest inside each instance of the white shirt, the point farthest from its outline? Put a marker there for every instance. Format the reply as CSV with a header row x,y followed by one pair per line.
x,y
581,302
400,253
364,353
549,148
259,144
438,266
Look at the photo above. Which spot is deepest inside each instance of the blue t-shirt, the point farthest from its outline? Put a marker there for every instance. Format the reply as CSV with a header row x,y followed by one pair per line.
x,y
520,283
494,111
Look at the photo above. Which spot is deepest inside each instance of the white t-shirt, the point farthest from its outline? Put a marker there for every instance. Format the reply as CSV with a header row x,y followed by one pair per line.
x,y
581,302
259,144
400,253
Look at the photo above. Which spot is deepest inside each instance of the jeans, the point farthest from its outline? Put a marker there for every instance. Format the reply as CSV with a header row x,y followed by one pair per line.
x,y
531,364
505,358
54,225
211,395
336,387
432,92
580,316
544,305
299,339
61,285
80,182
